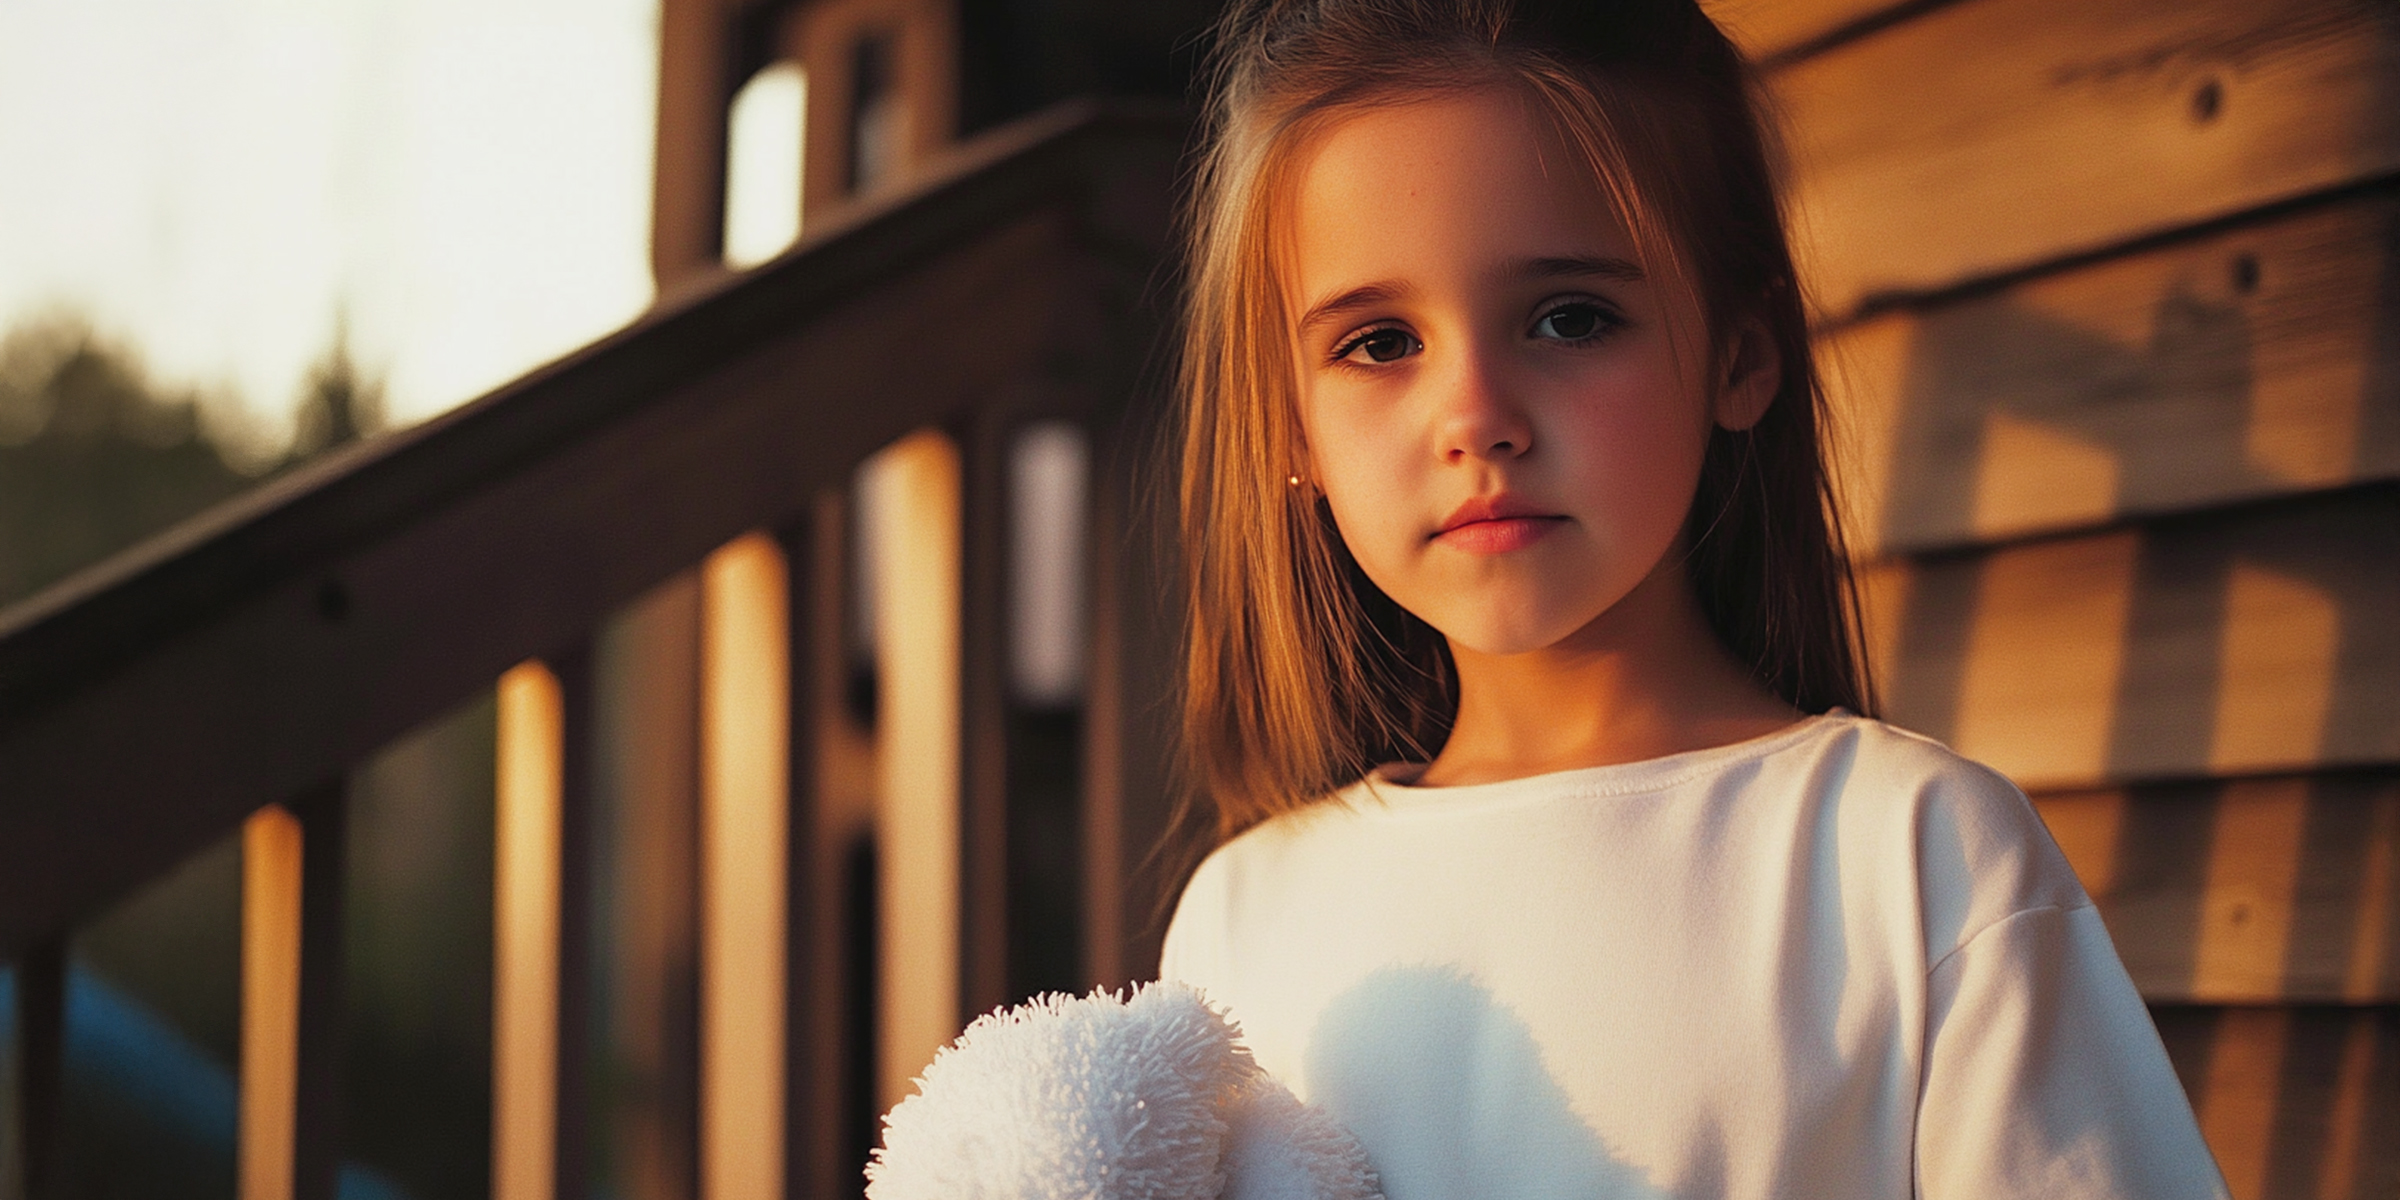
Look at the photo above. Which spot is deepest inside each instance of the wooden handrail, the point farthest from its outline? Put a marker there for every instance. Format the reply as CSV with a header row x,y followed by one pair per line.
x,y
259,650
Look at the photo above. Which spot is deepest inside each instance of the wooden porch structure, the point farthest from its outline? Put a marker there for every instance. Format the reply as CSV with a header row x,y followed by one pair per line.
x,y
260,653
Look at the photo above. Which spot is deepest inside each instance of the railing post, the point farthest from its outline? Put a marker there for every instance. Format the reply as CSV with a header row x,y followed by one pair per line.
x,y
526,914
293,876
915,483
543,879
745,799
41,1068
983,715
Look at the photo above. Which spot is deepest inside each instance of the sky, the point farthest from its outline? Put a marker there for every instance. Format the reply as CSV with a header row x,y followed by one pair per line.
x,y
217,183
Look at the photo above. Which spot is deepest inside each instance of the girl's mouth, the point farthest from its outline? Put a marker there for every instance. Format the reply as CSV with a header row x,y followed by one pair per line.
x,y
1496,525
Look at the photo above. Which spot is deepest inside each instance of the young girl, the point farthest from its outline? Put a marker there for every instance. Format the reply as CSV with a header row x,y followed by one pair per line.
x,y
1502,471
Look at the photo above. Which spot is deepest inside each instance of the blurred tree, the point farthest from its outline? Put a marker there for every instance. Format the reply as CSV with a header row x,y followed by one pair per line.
x,y
340,406
95,456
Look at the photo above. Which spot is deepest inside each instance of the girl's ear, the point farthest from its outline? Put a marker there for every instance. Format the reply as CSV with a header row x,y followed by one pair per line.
x,y
1753,374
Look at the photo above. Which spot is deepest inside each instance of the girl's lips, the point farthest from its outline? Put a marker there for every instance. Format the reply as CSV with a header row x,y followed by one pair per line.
x,y
1498,535
1496,525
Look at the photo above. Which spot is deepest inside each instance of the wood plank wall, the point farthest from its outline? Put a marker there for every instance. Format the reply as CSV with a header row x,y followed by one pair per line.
x,y
2110,296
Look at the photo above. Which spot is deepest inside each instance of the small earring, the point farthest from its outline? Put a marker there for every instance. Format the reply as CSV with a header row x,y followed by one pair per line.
x,y
1294,481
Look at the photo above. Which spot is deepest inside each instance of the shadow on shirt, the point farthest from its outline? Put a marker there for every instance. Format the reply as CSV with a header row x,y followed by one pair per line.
x,y
1446,1089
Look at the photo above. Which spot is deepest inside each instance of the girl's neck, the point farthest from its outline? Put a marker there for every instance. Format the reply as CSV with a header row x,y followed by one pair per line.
x,y
1645,679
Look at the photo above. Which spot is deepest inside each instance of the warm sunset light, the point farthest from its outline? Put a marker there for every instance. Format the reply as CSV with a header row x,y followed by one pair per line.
x,y
600,599
218,182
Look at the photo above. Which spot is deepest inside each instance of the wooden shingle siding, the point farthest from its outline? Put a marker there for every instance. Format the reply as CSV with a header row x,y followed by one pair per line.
x,y
2296,1102
2260,639
2274,890
2250,363
1995,135
1768,30
2109,303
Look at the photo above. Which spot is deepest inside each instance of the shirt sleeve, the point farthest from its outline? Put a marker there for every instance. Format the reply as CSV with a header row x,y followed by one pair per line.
x,y
2044,1076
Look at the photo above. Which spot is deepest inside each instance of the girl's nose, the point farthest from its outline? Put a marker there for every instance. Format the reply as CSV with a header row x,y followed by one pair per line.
x,y
1480,416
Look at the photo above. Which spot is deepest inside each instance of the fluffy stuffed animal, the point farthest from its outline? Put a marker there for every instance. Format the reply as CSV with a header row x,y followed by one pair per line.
x,y
1146,1097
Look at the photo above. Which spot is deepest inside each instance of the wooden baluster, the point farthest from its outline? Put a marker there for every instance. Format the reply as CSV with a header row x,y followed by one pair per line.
x,y
272,889
915,483
525,934
983,717
41,1068
745,798
545,845
293,863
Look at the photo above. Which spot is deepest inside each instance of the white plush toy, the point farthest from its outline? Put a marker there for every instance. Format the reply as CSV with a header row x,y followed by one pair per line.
x,y
1149,1097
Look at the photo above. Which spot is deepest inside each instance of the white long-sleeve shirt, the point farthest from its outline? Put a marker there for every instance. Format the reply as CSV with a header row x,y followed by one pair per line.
x,y
1836,961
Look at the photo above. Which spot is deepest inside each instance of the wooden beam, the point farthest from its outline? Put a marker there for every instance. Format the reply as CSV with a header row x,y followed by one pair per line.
x,y
2237,366
1992,135
687,202
2267,890
276,640
2241,642
922,40
745,799
1771,29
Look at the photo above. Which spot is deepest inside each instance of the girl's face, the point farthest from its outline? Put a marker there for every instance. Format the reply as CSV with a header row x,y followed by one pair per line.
x,y
1504,405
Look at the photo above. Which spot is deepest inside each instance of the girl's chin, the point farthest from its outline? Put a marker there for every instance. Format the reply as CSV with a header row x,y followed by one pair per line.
x,y
1508,640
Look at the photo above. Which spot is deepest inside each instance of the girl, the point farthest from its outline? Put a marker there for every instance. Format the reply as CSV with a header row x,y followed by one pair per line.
x,y
1502,470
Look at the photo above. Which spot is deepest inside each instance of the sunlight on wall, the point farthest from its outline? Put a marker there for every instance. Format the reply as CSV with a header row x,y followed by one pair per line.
x,y
763,164
2246,919
2278,658
2073,599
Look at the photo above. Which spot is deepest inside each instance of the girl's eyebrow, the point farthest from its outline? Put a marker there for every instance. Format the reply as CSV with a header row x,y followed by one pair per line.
x,y
1370,295
1581,266
1567,266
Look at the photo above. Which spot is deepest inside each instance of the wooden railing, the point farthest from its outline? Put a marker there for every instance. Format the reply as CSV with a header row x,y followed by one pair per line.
x,y
234,672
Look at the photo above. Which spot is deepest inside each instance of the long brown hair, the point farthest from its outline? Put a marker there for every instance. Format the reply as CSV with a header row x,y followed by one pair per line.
x,y
1300,674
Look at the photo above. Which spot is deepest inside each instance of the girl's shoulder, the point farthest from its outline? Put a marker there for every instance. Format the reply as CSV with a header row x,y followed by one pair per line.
x,y
1976,851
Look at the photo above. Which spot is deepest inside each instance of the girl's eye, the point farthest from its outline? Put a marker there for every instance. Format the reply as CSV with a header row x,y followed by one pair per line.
x,y
1383,345
1575,321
